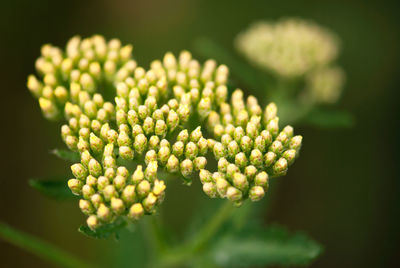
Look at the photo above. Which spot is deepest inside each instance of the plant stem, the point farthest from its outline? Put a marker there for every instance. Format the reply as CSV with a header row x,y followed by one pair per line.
x,y
39,247
210,228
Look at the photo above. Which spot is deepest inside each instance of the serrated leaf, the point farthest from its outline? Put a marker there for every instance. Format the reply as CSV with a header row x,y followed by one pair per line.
x,y
39,247
104,231
55,189
66,155
257,246
330,118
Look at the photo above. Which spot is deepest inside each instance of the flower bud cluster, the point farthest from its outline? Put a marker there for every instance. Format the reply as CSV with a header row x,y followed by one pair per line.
x,y
250,149
116,112
290,47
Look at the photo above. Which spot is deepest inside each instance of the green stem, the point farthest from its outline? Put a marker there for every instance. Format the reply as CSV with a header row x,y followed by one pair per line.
x,y
39,248
209,230
178,255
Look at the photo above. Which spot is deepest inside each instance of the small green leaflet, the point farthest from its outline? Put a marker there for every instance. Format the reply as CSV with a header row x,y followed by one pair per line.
x,y
104,231
66,155
52,188
256,246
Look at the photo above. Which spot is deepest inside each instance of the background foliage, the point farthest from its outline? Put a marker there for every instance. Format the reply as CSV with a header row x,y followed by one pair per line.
x,y
343,189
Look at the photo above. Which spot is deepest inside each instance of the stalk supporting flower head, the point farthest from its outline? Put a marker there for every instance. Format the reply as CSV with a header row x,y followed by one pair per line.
x,y
115,111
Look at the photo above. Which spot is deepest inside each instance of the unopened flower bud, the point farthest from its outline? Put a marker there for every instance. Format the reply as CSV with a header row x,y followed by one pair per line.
x,y
172,164
280,167
199,162
117,205
75,186
80,172
140,143
210,189
86,207
240,181
186,168
256,193
138,175
233,194
136,211
150,172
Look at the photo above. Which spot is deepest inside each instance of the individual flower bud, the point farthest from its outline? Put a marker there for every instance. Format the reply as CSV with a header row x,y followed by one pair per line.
x,y
158,115
94,168
233,194
93,222
218,130
90,109
151,155
205,176
151,103
242,118
251,130
233,149
129,194
109,162
138,175
172,120
154,142
140,143
117,205
226,139
91,181
143,112
109,192
288,130
183,136
163,154
183,112
191,150
231,169
75,186
110,173
126,152
96,200
83,145
250,172
186,168
246,144
290,156
72,143
172,164
80,172
136,211
241,160
65,131
164,143
256,158
222,186
280,167
86,207
267,137
87,191
259,144
49,109
96,127
213,120
240,181
160,128
221,94
159,187
261,179
178,148
143,188
96,144
276,147
238,134
295,142
256,193
210,189
148,126
222,165
150,172
34,86
104,213
102,182
273,126
61,94
136,130
121,117
132,117
119,182
196,135
149,202
199,162
84,133
270,112
219,150
269,159
85,158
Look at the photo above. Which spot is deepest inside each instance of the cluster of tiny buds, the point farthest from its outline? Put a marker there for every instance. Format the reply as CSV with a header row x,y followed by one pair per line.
x,y
117,113
250,149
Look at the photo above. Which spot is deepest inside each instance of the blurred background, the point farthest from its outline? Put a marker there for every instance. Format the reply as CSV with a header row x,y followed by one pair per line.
x,y
343,190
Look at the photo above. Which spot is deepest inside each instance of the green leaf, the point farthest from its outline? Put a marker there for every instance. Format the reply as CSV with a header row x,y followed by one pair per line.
x,y
66,155
264,246
245,73
105,231
55,189
329,118
39,248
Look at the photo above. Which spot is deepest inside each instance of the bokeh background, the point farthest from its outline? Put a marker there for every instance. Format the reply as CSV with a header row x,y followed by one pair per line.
x,y
343,190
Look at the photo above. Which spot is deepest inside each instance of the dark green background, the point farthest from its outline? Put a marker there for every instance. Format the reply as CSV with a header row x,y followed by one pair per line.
x,y
343,190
